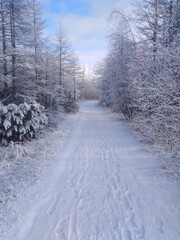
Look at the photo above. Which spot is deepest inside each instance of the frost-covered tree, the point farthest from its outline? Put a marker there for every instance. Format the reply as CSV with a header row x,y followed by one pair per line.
x,y
156,84
88,84
32,68
16,38
116,78
30,65
76,76
34,45
63,54
142,72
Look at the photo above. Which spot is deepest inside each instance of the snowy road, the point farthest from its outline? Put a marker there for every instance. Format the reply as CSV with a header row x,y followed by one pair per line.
x,y
103,186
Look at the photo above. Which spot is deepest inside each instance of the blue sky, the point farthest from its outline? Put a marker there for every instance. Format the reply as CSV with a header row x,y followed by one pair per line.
x,y
85,23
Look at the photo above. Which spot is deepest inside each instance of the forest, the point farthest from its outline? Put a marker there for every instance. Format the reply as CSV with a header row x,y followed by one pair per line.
x,y
36,72
139,76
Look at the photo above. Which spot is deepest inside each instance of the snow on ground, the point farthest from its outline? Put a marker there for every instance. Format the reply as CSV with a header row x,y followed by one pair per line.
x,y
101,185
22,165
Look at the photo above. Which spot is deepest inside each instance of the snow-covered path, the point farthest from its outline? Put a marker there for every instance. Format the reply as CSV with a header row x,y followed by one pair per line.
x,y
103,186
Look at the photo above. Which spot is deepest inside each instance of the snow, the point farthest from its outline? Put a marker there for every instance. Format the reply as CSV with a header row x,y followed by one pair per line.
x,y
23,121
102,184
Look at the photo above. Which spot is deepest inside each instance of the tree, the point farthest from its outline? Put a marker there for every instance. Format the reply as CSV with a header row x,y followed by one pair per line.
x,y
121,52
63,57
155,73
140,76
31,67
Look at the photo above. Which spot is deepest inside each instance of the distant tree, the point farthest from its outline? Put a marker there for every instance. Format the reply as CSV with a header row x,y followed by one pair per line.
x,y
63,56
76,76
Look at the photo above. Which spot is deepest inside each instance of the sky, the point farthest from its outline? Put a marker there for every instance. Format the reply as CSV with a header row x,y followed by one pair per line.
x,y
84,22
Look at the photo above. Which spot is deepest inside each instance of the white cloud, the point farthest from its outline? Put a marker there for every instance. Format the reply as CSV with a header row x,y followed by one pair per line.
x,y
89,58
104,7
87,35
78,26
88,32
89,43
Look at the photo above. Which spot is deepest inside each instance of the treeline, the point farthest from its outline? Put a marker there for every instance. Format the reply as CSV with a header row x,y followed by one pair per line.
x,y
140,75
33,67
36,72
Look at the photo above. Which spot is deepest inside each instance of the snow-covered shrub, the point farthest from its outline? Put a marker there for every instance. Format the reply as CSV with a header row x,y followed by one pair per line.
x,y
21,122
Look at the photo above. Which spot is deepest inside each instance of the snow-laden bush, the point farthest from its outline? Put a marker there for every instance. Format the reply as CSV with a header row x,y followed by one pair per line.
x,y
21,122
